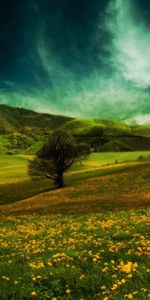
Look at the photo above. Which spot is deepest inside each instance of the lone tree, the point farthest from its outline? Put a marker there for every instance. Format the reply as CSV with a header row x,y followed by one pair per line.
x,y
55,157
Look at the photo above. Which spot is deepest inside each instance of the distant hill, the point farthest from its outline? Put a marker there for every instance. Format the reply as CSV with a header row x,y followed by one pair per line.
x,y
19,119
23,130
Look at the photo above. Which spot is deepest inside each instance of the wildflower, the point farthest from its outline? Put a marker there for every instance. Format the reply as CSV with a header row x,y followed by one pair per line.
x,y
94,259
130,296
123,280
68,291
33,294
33,278
114,287
143,290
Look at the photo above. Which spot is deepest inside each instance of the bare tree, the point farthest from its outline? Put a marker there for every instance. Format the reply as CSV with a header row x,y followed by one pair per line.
x,y
55,157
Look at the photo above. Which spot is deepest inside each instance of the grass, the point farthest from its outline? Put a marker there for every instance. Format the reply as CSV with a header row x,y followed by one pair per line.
x,y
117,191
15,184
15,167
85,256
88,241
101,159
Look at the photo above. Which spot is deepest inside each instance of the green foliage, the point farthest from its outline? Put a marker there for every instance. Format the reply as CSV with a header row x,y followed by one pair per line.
x,y
83,150
20,141
4,127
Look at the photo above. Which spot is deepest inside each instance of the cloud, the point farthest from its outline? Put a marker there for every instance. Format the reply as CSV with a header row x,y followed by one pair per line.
x,y
116,89
131,43
140,119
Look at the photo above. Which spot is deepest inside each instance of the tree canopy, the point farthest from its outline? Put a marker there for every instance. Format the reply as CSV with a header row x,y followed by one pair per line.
x,y
55,157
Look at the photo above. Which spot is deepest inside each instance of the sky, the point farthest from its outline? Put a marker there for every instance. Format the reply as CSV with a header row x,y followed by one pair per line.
x,y
82,58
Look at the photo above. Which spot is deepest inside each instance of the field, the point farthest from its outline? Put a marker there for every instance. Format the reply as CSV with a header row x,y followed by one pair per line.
x,y
87,241
15,184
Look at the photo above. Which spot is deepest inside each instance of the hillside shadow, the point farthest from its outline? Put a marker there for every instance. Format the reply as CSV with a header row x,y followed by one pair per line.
x,y
14,192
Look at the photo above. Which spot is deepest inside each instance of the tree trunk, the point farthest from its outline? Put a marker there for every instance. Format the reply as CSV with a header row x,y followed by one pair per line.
x,y
59,181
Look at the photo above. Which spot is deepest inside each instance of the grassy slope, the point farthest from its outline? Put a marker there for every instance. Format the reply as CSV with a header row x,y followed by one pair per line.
x,y
36,126
119,190
87,241
18,118
65,244
14,167
110,127
15,181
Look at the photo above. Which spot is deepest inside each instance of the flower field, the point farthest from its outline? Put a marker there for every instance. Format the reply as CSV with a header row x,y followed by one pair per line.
x,y
96,256
88,241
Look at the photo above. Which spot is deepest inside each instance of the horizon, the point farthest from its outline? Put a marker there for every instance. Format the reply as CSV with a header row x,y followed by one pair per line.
x,y
78,59
132,122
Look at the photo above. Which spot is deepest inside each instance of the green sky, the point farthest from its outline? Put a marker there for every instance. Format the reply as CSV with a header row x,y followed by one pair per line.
x,y
77,58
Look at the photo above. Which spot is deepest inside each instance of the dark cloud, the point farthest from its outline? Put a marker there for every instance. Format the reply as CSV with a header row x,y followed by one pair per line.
x,y
76,49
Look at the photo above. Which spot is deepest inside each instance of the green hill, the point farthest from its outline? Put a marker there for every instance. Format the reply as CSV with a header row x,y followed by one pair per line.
x,y
23,130
19,119
109,127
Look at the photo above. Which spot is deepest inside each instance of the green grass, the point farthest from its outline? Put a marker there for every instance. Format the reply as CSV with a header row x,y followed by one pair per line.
x,y
96,160
75,257
120,189
13,167
24,131
88,241
15,184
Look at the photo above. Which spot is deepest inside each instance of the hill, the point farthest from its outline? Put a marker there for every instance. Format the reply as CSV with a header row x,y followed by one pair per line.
x,y
93,194
19,119
24,130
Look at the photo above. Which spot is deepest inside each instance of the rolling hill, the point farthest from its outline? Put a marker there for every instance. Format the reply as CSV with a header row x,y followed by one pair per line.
x,y
24,130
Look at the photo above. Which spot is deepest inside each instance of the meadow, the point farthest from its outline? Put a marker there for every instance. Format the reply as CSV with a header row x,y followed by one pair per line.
x,y
15,183
87,241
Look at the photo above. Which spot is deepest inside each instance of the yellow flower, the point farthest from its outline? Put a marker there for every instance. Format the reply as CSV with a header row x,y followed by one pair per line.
x,y
33,294
54,298
94,259
68,291
33,278
130,296
123,280
114,287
